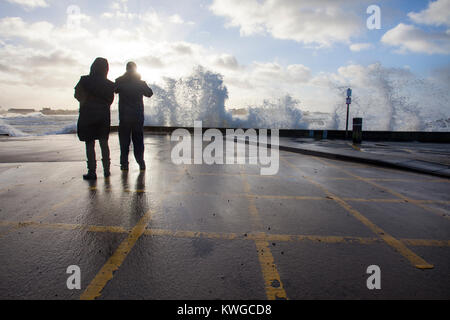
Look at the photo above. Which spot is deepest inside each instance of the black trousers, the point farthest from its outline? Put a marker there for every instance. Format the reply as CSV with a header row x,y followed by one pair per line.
x,y
131,131
90,153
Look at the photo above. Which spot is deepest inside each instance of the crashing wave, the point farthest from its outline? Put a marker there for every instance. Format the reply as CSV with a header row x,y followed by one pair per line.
x,y
202,96
6,129
392,99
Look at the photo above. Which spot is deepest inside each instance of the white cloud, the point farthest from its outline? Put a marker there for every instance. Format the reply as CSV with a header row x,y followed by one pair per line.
x,y
176,19
227,61
307,22
437,14
410,38
250,85
356,47
46,56
30,4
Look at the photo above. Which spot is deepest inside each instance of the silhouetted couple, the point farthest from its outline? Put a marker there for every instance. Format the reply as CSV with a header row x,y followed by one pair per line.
x,y
96,94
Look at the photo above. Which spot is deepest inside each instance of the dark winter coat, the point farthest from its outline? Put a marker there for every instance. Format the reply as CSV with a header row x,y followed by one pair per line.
x,y
131,90
95,94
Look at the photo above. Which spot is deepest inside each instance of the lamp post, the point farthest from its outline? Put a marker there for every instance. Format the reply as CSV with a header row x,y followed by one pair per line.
x,y
349,101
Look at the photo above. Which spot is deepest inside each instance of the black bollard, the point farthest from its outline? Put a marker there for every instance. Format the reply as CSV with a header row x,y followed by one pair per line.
x,y
357,130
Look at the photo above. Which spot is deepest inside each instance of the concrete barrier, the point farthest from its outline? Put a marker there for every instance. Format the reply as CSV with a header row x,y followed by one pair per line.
x,y
405,136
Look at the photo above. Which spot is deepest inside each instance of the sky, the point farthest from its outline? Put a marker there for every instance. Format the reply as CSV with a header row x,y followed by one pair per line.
x,y
264,49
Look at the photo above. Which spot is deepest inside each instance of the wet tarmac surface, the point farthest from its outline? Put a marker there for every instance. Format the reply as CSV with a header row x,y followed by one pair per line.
x,y
216,231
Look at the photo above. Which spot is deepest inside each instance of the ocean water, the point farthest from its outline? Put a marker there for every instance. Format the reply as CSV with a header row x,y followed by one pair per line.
x,y
388,100
18,125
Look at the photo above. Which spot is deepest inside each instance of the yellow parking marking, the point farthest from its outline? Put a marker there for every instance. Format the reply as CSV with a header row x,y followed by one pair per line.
x,y
57,206
279,197
413,258
193,234
260,236
272,281
136,191
394,193
252,206
426,242
106,273
65,226
354,146
283,197
115,261
314,238
373,200
406,180
112,229
221,174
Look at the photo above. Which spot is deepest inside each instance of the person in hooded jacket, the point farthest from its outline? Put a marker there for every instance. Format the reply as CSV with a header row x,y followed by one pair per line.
x,y
131,90
95,94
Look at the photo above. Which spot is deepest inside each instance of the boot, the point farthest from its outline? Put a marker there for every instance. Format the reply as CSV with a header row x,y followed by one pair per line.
x,y
142,166
106,168
91,175
92,168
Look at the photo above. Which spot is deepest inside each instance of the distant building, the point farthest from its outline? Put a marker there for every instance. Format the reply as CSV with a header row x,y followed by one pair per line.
x,y
239,112
21,111
48,111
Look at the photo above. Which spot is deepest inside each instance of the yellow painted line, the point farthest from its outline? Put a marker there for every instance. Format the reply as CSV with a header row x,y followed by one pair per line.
x,y
404,180
259,236
324,239
375,179
374,200
354,146
272,281
429,201
208,194
426,242
213,174
436,211
247,195
65,226
394,193
193,234
124,190
398,200
136,191
283,197
112,229
57,206
253,210
280,197
220,174
413,258
199,173
105,274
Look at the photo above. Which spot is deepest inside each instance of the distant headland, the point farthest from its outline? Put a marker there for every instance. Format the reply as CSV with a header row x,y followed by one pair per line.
x,y
45,111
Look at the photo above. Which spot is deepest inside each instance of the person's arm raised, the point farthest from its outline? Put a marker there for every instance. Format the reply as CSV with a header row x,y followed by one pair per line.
x,y
148,92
